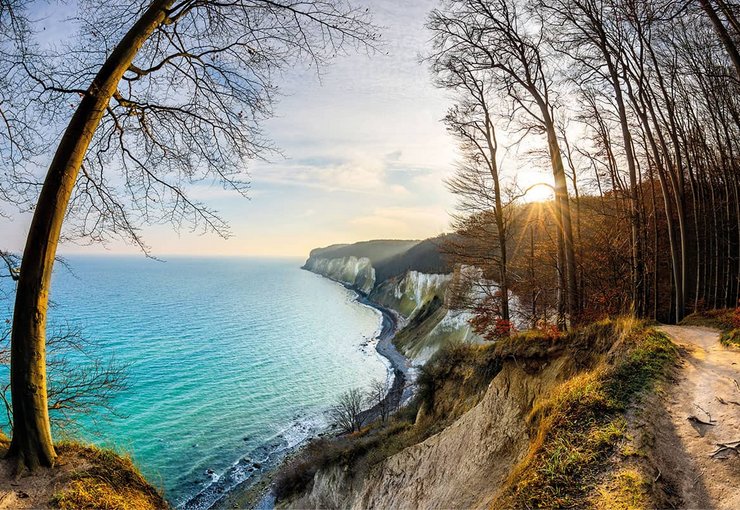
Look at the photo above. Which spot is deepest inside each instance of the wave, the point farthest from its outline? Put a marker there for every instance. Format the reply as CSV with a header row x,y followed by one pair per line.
x,y
248,470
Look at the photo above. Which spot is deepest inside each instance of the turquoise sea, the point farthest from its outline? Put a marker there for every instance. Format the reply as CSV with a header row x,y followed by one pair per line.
x,y
231,361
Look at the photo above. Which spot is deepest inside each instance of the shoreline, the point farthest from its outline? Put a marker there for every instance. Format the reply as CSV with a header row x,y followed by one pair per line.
x,y
257,493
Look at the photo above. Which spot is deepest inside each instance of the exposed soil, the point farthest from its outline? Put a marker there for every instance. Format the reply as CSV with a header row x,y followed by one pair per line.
x,y
702,414
36,490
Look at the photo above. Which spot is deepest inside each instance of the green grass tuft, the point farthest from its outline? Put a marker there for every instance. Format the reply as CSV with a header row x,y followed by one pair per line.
x,y
582,423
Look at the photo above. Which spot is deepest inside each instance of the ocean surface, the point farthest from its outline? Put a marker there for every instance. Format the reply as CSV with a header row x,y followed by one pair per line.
x,y
231,361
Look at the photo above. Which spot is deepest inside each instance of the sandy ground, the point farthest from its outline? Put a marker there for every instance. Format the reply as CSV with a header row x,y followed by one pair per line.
x,y
707,390
34,491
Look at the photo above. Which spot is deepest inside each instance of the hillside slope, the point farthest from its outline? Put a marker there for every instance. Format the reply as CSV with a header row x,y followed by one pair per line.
x,y
561,423
83,477
411,278
606,417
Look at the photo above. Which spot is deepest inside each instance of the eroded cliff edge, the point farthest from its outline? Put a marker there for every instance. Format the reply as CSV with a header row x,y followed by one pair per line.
x,y
533,421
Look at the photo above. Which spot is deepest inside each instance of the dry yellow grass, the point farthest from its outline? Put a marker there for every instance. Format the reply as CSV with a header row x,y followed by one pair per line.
x,y
578,427
112,482
84,477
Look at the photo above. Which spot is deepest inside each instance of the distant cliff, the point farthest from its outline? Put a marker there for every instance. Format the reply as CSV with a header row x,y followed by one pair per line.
x,y
410,278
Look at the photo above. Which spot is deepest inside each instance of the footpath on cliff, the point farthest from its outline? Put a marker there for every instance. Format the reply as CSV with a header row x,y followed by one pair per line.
x,y
699,438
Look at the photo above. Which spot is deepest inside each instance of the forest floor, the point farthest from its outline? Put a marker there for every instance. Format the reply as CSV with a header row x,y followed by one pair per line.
x,y
700,436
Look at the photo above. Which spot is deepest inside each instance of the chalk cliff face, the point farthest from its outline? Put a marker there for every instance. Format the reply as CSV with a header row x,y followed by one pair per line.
x,y
463,466
410,292
419,298
354,271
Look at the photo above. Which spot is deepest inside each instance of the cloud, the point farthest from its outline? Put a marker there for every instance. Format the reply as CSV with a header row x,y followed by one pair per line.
x,y
403,221
354,173
398,190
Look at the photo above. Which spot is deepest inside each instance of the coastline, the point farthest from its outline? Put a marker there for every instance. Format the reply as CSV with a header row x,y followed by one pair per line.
x,y
257,493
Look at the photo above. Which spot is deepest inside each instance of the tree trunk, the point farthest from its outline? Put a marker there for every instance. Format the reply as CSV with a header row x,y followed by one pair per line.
x,y
564,221
638,263
500,227
722,33
32,443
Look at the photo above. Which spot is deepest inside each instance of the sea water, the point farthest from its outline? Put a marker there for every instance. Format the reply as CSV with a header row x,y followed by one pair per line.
x,y
228,359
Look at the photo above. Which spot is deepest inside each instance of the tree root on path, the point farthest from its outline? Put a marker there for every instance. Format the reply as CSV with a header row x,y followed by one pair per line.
x,y
725,402
694,419
723,447
700,408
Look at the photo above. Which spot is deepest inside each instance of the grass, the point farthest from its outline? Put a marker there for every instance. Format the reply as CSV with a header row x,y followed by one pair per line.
x,y
626,489
577,429
99,479
111,482
727,320
451,383
581,425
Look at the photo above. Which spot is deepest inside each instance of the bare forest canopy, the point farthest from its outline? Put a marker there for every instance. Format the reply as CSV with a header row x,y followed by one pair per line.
x,y
634,107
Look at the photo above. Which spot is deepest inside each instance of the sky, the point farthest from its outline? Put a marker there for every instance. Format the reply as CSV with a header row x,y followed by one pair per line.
x,y
365,156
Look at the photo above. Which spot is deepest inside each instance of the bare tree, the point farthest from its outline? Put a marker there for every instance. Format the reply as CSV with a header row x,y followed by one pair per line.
x,y
347,413
168,93
722,32
19,140
587,35
477,182
379,395
80,382
504,37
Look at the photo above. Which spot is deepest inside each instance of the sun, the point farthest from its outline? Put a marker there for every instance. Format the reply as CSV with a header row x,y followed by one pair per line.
x,y
535,186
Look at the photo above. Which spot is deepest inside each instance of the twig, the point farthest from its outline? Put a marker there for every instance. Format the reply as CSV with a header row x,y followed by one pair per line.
x,y
725,402
700,408
722,447
694,419
657,477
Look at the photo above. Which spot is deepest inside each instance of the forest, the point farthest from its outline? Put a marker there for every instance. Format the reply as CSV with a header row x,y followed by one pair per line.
x,y
634,107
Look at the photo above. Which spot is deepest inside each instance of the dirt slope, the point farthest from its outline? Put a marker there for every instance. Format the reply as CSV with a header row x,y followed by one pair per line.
x,y
708,389
461,467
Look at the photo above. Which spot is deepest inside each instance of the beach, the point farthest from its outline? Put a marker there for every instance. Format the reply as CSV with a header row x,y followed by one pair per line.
x,y
254,492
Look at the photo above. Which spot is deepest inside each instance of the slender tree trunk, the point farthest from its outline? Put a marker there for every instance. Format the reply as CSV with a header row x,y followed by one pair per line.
x,y
564,221
638,265
655,246
722,33
500,226
32,442
532,275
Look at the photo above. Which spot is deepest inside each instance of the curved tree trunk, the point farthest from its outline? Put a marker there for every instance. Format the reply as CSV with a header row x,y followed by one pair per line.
x,y
32,442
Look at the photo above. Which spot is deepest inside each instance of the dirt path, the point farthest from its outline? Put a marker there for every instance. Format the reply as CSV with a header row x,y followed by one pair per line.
x,y
708,389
